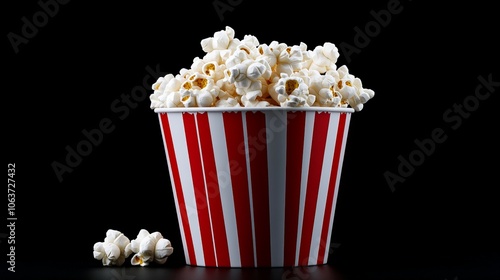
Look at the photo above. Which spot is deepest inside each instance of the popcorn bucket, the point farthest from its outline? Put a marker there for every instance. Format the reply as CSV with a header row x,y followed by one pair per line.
x,y
255,187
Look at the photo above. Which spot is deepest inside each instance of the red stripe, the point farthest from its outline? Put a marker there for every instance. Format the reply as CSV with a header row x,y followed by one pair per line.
x,y
218,226
320,130
169,146
257,150
237,163
199,188
294,152
331,188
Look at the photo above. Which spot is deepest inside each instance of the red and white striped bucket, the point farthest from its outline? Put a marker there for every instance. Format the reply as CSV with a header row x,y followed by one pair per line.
x,y
255,187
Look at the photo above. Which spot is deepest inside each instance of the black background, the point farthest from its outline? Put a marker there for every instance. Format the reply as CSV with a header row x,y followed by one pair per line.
x,y
440,223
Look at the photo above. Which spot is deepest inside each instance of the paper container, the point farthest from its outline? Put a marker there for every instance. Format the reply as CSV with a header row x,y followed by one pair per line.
x,y
255,187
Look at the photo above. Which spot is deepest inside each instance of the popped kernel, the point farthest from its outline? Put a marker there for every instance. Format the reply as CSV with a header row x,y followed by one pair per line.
x,y
220,46
323,87
248,77
112,251
351,89
291,92
323,58
148,248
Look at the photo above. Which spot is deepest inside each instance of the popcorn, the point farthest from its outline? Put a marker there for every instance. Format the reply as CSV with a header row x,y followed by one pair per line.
x,y
237,58
165,89
220,46
291,92
198,91
323,87
229,102
148,248
324,58
248,77
255,103
112,251
351,89
282,58
247,73
213,70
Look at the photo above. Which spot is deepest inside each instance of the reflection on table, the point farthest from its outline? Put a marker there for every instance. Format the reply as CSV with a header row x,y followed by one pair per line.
x,y
321,272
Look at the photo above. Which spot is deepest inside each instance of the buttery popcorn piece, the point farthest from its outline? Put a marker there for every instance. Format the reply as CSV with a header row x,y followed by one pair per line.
x,y
282,58
148,248
198,91
323,87
351,89
291,92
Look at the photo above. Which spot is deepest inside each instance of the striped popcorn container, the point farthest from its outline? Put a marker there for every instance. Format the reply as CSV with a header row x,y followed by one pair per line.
x,y
255,187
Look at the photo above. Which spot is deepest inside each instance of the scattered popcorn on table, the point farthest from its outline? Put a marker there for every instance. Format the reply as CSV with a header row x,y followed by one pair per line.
x,y
112,251
247,73
149,247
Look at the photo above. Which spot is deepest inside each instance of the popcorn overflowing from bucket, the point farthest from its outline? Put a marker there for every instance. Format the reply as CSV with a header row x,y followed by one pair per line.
x,y
246,73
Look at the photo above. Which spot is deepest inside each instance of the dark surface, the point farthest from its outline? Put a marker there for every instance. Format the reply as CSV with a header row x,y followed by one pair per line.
x,y
439,223
341,267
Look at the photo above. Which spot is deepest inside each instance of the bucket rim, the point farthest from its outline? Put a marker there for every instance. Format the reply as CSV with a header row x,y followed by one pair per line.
x,y
252,109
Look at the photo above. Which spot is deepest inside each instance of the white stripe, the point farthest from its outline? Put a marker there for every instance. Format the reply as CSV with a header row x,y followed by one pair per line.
x,y
276,163
249,178
181,151
224,179
172,182
323,188
335,195
306,157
